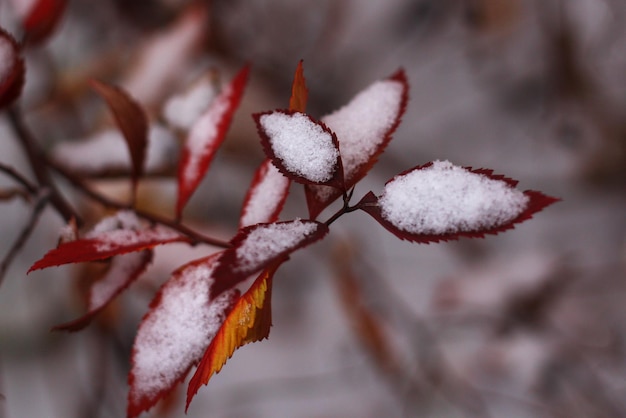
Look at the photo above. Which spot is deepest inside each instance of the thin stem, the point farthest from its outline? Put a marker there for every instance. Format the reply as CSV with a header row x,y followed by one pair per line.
x,y
105,201
19,178
346,208
37,162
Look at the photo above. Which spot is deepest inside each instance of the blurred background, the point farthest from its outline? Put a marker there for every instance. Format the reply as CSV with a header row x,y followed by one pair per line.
x,y
529,323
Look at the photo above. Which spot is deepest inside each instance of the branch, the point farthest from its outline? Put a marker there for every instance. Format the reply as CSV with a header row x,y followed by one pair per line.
x,y
19,178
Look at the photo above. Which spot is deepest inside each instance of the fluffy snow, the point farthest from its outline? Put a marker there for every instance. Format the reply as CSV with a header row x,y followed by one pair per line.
x,y
121,269
107,150
268,241
302,146
265,196
361,125
182,111
444,198
7,58
175,334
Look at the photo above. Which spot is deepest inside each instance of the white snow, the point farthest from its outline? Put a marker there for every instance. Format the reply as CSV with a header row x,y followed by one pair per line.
x,y
107,150
175,334
22,7
361,125
265,196
444,198
302,146
120,270
204,133
182,111
7,58
268,241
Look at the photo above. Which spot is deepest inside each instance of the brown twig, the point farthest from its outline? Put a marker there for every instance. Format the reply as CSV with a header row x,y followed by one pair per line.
x,y
19,178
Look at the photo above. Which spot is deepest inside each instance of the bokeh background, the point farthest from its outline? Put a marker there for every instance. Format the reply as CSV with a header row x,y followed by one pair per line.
x,y
529,323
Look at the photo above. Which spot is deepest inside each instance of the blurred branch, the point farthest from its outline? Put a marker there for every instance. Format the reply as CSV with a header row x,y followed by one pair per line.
x,y
19,178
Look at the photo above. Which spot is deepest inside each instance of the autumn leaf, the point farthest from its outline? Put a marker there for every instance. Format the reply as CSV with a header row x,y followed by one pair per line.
x,y
41,20
206,136
12,71
363,127
299,91
440,201
182,320
265,197
132,121
249,321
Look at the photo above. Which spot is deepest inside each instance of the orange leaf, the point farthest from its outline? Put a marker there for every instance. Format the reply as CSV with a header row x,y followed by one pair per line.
x,y
249,321
132,121
299,91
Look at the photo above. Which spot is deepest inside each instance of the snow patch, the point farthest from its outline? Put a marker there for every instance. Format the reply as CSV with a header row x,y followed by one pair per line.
x,y
7,58
265,196
183,110
122,268
445,199
302,146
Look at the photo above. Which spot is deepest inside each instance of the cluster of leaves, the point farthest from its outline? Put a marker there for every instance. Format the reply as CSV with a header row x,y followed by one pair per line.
x,y
200,316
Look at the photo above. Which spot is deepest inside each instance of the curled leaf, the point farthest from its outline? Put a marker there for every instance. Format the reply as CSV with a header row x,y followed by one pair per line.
x,y
183,319
439,201
205,137
12,69
249,321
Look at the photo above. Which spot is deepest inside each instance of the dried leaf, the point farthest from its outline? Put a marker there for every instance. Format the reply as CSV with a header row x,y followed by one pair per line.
x,y
299,91
249,321
132,121
206,136
265,197
12,69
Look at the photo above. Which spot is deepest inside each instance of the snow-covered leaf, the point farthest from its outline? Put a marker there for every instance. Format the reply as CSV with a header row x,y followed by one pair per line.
x,y
302,148
299,91
363,127
258,246
249,321
440,201
183,110
132,121
115,235
105,152
11,69
41,20
266,196
182,320
205,137
124,270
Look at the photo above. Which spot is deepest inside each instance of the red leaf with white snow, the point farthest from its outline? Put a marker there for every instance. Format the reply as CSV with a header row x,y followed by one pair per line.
x,y
11,69
115,235
301,148
41,20
249,321
439,201
299,91
183,319
123,271
265,197
205,137
363,127
258,246
132,121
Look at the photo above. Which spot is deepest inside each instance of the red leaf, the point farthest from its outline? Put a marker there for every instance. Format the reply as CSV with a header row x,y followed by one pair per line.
x,y
206,136
258,246
12,72
183,319
115,235
299,91
440,202
303,149
42,19
132,121
124,270
249,321
363,127
265,197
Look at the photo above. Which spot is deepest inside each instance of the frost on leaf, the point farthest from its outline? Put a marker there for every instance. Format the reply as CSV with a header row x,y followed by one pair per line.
x,y
205,137
115,235
124,270
41,19
440,201
364,128
249,321
301,148
258,246
182,320
11,69
266,196
132,121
